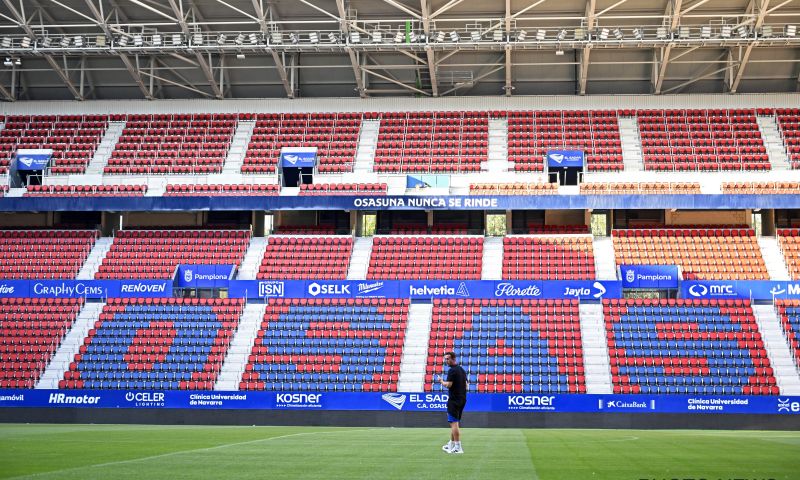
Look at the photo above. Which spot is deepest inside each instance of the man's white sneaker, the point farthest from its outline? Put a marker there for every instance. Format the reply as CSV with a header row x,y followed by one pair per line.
x,y
456,450
446,447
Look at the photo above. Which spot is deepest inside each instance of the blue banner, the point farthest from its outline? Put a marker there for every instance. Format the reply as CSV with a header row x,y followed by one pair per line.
x,y
565,158
299,157
204,276
403,401
96,289
649,276
36,159
755,289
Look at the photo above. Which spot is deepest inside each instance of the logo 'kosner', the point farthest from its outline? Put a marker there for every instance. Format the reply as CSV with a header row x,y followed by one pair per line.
x,y
396,400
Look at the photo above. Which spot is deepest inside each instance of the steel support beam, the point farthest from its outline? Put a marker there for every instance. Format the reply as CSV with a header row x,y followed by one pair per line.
x,y
201,61
358,74
426,27
587,51
396,82
762,7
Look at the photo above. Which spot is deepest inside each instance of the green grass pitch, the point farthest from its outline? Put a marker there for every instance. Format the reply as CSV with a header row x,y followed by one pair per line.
x,y
190,452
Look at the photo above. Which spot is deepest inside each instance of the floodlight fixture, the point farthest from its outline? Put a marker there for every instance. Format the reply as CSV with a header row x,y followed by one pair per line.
x,y
355,37
440,35
497,35
18,61
78,41
683,32
725,31
454,37
7,62
177,39
137,41
47,41
293,38
254,38
559,52
313,37
239,39
603,34
6,43
618,34
123,41
412,37
240,56
580,34
766,31
638,33
705,31
100,41
790,30
399,36
541,34
742,31
332,38
197,38
276,37
221,39
65,42
662,33
157,39
521,35
475,36
562,34
377,36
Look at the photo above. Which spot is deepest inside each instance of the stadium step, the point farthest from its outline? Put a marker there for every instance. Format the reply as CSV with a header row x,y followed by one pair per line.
x,y
780,357
105,148
773,141
631,144
497,159
359,258
492,258
71,345
252,258
95,258
415,351
604,263
367,143
240,348
595,349
773,258
238,148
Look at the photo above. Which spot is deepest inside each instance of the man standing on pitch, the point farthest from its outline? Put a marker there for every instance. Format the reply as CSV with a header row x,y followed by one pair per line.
x,y
456,383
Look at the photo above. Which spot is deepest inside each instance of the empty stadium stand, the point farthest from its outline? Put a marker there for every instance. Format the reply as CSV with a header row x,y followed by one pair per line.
x,y
238,190
761,187
432,142
513,189
73,139
334,134
328,345
44,253
154,254
639,188
509,345
85,190
161,343
789,240
172,143
701,140
431,257
31,330
343,189
548,258
686,346
532,133
789,318
702,253
306,257
789,126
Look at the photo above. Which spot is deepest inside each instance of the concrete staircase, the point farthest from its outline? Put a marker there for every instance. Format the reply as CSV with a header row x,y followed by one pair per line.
x,y
248,270
415,349
240,348
105,148
95,258
780,357
773,141
497,160
631,144
604,264
70,345
773,258
492,258
367,144
238,149
595,349
359,258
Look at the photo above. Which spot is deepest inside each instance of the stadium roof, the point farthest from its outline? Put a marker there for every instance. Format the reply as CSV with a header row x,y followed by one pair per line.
x,y
121,49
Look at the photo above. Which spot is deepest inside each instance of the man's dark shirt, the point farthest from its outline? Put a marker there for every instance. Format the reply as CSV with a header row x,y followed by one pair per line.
x,y
458,389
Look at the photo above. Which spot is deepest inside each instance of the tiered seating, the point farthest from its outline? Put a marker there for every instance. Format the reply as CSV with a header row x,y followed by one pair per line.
x,y
237,190
513,189
426,258
531,346
701,140
702,253
639,188
156,344
596,133
306,257
548,258
73,139
44,253
789,239
154,254
31,330
172,143
334,134
789,314
86,190
306,230
432,142
343,189
768,188
328,345
789,126
424,229
686,346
